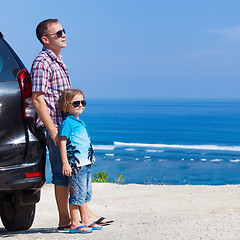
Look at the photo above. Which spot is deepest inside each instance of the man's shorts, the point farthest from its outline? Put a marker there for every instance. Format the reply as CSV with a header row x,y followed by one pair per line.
x,y
55,159
80,185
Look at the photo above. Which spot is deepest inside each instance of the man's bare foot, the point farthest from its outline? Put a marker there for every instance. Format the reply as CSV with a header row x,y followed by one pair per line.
x,y
64,227
65,224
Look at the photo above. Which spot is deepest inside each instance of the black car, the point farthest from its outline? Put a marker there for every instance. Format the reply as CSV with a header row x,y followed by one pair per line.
x,y
22,147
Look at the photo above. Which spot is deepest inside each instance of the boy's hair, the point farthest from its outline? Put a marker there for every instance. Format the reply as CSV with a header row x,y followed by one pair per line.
x,y
66,98
42,28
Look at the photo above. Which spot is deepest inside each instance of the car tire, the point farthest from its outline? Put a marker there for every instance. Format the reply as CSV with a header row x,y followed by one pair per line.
x,y
16,217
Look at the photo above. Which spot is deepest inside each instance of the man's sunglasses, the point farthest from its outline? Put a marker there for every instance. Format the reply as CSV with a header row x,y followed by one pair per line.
x,y
77,103
58,33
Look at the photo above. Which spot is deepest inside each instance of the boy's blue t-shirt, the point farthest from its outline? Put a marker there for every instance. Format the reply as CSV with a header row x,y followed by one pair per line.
x,y
79,148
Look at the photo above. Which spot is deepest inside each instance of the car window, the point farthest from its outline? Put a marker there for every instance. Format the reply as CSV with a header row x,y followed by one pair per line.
x,y
8,64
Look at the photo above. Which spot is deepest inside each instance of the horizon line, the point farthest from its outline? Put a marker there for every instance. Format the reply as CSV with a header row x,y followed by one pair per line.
x,y
163,98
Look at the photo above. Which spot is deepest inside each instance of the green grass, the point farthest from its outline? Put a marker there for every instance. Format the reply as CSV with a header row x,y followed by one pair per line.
x,y
104,177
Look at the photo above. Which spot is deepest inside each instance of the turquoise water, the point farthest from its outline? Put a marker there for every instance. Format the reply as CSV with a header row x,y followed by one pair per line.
x,y
166,141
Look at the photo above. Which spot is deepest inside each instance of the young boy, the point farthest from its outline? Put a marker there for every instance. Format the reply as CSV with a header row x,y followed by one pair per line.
x,y
77,157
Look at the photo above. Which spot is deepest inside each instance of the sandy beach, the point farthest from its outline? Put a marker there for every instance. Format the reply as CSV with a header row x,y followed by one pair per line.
x,y
147,212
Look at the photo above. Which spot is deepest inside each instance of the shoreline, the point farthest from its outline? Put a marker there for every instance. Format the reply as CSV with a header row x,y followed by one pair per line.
x,y
147,212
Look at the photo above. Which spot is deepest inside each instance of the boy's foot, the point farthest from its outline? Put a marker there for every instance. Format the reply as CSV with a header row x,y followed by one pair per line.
x,y
103,221
94,226
81,229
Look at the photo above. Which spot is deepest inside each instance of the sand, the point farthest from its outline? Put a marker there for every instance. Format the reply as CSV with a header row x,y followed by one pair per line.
x,y
147,212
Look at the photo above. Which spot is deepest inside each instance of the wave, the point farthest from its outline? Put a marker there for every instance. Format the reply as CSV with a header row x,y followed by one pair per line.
x,y
163,160
197,147
130,149
103,147
235,160
154,150
216,160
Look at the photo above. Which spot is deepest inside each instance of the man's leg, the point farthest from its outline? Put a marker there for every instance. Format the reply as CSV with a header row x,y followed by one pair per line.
x,y
61,195
59,180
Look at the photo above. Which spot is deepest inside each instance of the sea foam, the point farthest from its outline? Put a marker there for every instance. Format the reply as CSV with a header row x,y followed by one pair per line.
x,y
216,160
151,150
200,147
235,160
130,149
103,147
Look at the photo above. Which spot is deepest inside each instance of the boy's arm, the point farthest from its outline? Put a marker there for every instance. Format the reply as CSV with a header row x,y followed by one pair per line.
x,y
63,151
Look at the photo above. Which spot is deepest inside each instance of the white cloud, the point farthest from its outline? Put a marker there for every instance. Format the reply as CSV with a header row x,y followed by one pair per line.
x,y
232,33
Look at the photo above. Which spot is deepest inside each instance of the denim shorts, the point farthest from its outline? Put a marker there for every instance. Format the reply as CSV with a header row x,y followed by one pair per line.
x,y
55,159
80,185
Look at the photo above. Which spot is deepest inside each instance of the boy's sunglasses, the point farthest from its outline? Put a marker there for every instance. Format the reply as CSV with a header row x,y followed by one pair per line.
x,y
77,103
58,33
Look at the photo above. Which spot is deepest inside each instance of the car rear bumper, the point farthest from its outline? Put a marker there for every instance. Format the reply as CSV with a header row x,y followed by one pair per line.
x,y
14,177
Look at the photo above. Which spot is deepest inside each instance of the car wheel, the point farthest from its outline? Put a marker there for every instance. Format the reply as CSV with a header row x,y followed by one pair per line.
x,y
17,217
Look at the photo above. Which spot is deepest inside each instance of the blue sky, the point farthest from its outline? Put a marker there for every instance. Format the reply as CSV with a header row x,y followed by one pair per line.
x,y
137,48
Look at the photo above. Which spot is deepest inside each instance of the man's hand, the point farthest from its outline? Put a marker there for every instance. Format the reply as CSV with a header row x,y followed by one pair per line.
x,y
54,134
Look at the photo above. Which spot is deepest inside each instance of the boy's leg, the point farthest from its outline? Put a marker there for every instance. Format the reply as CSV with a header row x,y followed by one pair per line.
x,y
77,195
84,210
74,210
90,215
93,217
79,190
84,214
86,220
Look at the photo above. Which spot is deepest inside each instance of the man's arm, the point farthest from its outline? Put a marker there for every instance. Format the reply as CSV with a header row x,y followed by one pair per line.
x,y
42,111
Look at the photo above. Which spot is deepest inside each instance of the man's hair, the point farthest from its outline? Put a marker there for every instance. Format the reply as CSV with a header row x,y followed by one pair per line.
x,y
66,98
42,28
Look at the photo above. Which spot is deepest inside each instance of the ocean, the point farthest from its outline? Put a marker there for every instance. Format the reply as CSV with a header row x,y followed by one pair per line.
x,y
165,141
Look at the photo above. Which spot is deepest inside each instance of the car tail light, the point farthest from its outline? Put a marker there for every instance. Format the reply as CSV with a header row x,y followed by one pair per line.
x,y
25,85
33,174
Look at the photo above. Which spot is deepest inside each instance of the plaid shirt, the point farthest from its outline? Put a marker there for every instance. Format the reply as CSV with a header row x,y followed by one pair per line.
x,y
50,75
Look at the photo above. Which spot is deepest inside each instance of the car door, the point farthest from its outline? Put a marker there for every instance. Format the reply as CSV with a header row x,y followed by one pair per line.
x,y
12,124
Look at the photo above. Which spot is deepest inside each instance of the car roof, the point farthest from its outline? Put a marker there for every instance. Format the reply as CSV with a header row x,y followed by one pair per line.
x,y
1,35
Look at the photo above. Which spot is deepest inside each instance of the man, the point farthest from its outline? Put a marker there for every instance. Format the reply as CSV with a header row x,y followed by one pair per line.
x,y
49,78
